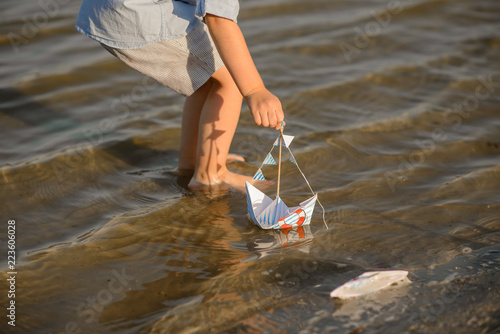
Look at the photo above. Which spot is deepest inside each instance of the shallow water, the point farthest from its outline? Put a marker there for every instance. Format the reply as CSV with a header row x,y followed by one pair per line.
x,y
395,113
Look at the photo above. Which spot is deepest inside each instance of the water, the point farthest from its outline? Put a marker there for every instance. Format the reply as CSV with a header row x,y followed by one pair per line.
x,y
395,113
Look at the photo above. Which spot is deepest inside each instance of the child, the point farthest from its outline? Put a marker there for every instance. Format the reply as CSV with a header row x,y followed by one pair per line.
x,y
196,48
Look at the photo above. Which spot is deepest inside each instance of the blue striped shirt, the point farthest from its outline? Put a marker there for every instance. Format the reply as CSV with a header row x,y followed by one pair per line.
x,y
131,24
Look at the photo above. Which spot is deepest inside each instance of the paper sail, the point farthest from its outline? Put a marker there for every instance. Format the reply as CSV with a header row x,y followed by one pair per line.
x,y
275,214
286,141
269,160
259,176
269,214
367,283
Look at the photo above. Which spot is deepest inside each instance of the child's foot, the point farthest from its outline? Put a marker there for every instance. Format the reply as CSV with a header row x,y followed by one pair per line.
x,y
228,180
190,172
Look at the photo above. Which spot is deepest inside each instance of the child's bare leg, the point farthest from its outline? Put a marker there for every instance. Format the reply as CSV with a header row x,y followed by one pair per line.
x,y
218,121
189,132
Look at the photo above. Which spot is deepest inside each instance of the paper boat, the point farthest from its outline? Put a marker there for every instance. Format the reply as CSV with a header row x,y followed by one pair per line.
x,y
367,283
269,214
275,214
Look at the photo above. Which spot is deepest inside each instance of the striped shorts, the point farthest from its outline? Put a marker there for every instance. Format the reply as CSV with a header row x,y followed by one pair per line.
x,y
183,64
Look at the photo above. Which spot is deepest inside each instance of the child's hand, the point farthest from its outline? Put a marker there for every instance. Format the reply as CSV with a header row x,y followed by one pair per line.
x,y
265,108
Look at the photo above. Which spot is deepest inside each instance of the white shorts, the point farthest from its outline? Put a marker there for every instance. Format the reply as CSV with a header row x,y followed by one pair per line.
x,y
183,64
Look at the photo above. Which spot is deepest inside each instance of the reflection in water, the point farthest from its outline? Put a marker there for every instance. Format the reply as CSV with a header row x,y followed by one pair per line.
x,y
289,239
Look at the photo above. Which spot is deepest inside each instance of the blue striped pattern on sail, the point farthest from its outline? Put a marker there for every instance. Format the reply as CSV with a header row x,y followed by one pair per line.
x,y
307,206
270,216
292,219
259,176
269,160
286,141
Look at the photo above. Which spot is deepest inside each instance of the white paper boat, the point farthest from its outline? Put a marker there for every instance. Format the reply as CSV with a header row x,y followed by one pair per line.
x,y
275,214
367,283
269,214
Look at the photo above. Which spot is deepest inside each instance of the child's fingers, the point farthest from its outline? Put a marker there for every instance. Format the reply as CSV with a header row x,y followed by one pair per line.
x,y
280,118
257,119
265,108
265,120
273,120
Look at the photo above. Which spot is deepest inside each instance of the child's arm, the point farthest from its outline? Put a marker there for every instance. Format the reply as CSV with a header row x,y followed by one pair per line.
x,y
265,107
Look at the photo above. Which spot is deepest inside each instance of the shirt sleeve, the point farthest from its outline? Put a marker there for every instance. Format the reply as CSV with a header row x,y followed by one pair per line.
x,y
228,9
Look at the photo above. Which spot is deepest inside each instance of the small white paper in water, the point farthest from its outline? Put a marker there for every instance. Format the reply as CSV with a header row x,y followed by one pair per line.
x,y
368,282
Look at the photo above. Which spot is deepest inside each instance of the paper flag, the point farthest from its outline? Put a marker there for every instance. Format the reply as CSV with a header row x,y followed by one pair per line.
x,y
292,159
259,176
286,141
269,160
